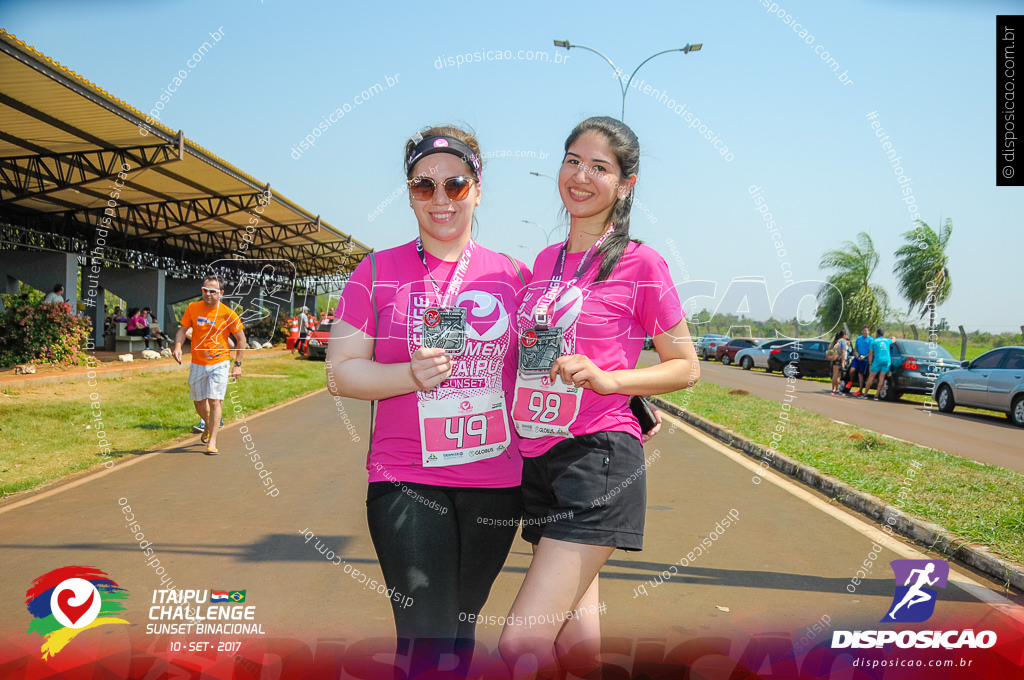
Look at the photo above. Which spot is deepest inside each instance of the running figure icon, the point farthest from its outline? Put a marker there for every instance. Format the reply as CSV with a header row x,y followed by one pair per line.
x,y
916,595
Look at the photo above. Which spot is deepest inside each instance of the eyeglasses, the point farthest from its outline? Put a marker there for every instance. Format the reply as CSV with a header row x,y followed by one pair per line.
x,y
455,188
211,291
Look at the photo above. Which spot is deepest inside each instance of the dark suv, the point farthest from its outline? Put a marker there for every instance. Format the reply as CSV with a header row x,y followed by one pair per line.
x,y
801,358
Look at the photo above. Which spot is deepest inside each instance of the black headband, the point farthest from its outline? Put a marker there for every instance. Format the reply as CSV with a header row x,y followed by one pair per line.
x,y
442,144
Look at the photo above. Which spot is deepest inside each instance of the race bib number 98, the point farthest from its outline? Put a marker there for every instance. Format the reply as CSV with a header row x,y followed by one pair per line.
x,y
543,408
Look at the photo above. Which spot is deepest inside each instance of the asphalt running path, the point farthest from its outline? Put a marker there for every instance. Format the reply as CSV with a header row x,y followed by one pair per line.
x,y
985,437
782,567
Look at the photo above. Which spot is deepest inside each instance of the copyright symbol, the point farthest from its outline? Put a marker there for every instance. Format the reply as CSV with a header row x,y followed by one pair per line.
x,y
1007,171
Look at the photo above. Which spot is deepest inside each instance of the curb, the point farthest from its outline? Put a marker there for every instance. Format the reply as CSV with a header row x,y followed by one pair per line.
x,y
931,536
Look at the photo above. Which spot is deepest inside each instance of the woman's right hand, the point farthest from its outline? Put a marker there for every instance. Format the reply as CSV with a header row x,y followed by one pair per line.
x,y
430,366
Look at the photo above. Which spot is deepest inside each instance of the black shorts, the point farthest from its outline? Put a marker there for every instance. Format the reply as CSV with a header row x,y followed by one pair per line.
x,y
591,489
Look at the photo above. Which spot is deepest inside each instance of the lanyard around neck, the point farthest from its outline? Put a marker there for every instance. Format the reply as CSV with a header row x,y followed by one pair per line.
x,y
541,315
451,292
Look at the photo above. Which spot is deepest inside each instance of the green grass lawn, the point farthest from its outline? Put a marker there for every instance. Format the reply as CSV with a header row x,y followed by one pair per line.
x,y
47,431
977,502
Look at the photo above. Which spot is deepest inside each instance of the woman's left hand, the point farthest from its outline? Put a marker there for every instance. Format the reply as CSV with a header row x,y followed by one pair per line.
x,y
580,371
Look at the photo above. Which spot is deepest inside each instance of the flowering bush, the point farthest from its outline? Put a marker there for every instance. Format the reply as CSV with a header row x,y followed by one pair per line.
x,y
42,333
269,330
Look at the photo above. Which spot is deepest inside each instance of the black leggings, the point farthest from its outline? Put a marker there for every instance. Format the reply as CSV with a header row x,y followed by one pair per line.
x,y
433,549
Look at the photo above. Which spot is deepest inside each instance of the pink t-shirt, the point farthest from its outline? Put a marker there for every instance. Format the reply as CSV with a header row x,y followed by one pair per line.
x,y
606,322
488,364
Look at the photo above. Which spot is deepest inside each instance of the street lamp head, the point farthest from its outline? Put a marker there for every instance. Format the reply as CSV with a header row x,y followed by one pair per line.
x,y
692,48
563,43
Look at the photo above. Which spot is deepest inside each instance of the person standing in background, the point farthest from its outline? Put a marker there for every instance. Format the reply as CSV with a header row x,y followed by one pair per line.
x,y
303,342
880,361
860,365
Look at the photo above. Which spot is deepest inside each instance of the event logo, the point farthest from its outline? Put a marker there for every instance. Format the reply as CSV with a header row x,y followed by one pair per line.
x,y
915,602
66,601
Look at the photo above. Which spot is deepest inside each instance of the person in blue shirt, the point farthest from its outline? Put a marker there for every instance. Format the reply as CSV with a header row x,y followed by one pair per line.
x,y
859,367
880,361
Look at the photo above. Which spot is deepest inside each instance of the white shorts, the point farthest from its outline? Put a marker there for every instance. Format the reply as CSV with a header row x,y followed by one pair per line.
x,y
208,382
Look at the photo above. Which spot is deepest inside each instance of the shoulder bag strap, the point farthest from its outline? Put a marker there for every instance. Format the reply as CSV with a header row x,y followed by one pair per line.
x,y
519,272
376,316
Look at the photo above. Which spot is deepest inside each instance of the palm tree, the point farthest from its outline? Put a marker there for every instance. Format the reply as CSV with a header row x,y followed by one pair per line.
x,y
922,268
851,297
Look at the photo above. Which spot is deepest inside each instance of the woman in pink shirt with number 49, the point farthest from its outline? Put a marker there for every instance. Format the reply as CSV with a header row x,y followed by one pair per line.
x,y
582,324
427,331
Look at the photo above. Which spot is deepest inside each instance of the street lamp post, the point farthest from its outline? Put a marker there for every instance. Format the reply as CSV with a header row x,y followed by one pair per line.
x,y
625,85
547,234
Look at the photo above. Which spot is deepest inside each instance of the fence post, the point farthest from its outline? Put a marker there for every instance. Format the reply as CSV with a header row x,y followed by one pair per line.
x,y
963,343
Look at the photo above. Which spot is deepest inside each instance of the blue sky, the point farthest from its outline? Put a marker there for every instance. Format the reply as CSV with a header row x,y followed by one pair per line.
x,y
793,129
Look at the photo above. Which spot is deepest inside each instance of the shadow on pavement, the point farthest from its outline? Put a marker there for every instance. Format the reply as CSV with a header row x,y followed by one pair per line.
x,y
270,548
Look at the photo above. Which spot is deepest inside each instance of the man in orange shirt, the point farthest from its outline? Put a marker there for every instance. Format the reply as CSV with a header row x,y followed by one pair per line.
x,y
211,323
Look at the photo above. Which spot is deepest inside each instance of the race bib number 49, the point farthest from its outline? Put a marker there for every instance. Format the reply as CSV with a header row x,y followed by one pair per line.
x,y
543,408
459,431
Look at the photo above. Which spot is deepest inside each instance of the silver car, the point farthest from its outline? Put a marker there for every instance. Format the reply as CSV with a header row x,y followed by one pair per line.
x,y
995,381
757,357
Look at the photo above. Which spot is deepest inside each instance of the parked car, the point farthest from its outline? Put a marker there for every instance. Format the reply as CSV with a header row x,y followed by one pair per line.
x,y
727,353
995,380
757,357
800,358
708,344
317,348
916,366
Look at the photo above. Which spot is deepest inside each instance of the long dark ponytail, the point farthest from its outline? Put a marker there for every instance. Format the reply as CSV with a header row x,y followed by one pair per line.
x,y
624,144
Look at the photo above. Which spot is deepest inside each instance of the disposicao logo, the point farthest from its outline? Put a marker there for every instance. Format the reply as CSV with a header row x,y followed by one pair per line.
x,y
914,602
69,600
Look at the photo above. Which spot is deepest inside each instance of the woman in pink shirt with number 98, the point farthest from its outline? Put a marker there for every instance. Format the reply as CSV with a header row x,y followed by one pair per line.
x,y
582,324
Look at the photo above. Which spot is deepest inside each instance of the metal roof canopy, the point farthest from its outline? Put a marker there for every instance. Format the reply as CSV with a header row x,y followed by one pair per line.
x,y
63,142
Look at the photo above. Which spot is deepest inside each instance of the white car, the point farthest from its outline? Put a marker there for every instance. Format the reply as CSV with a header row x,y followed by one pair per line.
x,y
757,357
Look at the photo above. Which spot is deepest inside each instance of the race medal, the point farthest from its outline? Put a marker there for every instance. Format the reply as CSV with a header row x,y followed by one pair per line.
x,y
543,408
538,350
459,431
445,327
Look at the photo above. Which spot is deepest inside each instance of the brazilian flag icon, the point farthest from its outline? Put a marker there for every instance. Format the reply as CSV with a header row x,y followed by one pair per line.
x,y
237,596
